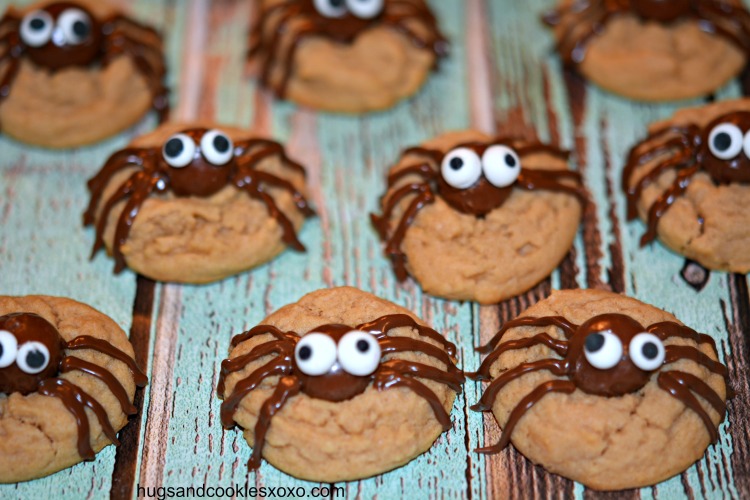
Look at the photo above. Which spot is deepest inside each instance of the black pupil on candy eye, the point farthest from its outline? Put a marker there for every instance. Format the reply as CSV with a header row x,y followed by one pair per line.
x,y
37,24
35,359
722,141
650,350
363,346
337,3
221,144
594,342
81,29
456,163
510,161
173,148
305,352
1,350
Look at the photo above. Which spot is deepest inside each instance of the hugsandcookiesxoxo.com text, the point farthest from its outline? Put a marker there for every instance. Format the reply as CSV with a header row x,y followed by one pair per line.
x,y
164,492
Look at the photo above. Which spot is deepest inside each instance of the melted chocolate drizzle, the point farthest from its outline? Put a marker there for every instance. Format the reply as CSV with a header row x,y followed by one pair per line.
x,y
107,39
728,21
336,385
623,378
686,150
200,178
267,42
477,200
28,327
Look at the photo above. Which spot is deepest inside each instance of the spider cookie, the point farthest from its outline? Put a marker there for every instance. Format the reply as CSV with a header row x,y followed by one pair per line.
x,y
653,50
61,359
195,204
604,389
75,72
472,217
690,181
345,55
339,386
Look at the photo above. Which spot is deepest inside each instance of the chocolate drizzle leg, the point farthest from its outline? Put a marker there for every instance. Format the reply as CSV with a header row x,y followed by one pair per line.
x,y
211,168
287,353
478,199
27,336
282,28
610,355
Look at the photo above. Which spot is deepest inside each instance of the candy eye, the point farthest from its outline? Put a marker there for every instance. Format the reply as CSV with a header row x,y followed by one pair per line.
x,y
8,348
330,8
746,145
725,141
647,351
179,151
32,357
75,25
36,28
365,9
461,168
216,147
501,166
603,350
359,353
315,354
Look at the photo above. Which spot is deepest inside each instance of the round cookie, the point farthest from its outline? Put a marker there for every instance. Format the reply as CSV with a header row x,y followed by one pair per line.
x,y
88,84
53,351
348,56
349,404
649,50
582,384
708,222
479,241
203,203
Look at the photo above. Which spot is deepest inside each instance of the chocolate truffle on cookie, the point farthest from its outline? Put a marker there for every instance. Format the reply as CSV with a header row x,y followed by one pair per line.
x,y
345,55
472,217
75,72
654,50
197,203
604,389
67,381
690,181
339,386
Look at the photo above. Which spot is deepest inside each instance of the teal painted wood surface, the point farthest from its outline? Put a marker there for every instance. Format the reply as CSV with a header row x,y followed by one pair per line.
x,y
502,76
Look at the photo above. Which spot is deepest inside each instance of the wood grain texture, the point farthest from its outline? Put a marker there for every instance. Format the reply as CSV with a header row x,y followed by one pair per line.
x,y
502,76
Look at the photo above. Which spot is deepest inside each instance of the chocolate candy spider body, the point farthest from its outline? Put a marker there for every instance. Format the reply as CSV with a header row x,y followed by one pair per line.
x,y
337,363
721,149
339,20
473,178
195,162
610,355
67,34
32,357
714,16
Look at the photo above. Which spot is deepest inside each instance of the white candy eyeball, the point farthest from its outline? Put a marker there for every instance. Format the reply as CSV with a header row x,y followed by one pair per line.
x,y
75,25
603,350
461,168
8,348
217,147
315,354
501,165
179,151
36,28
746,144
365,9
725,141
32,357
330,8
647,351
359,353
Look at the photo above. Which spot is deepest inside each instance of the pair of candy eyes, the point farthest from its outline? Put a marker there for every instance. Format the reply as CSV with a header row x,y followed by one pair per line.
x,y
726,141
462,167
73,27
31,357
357,353
215,146
604,350
364,9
